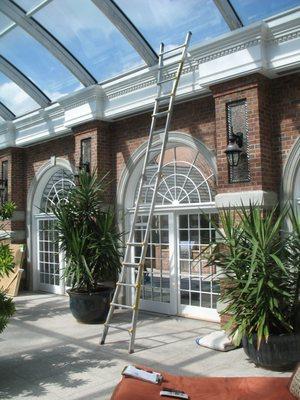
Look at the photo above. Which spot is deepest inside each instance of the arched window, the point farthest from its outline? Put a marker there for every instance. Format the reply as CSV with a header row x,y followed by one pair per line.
x,y
56,189
186,179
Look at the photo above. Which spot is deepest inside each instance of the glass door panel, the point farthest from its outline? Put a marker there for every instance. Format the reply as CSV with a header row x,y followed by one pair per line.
x,y
156,290
49,265
198,284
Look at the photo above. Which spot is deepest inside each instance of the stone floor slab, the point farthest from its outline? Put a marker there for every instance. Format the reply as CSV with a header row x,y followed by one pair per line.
x,y
46,354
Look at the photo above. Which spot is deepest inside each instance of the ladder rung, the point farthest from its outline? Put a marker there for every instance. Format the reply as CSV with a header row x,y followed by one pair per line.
x,y
161,114
121,328
164,97
131,264
135,244
171,50
127,284
171,64
166,80
122,306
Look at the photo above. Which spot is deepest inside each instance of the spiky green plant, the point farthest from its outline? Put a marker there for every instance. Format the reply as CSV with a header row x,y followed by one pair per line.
x,y
7,307
88,235
261,271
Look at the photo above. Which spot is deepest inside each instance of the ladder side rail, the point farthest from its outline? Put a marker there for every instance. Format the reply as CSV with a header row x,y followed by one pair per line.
x,y
145,163
129,252
167,125
158,178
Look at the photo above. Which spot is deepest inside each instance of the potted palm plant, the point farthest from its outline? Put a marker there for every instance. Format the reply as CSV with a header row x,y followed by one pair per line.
x,y
91,244
261,269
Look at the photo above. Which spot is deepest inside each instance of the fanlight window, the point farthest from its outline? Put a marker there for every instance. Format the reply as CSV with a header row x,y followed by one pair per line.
x,y
186,179
56,189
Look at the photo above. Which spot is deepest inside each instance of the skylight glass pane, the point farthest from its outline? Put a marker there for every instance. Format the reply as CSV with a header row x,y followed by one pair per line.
x,y
168,21
81,27
28,5
38,64
254,10
5,22
14,98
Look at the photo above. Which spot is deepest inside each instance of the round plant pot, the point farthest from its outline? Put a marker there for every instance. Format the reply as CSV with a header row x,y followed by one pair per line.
x,y
280,352
90,308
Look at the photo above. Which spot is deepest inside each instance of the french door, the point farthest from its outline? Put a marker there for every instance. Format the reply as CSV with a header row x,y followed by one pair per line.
x,y
50,263
176,277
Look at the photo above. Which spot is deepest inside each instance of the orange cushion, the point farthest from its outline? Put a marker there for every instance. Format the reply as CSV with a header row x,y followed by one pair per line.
x,y
204,388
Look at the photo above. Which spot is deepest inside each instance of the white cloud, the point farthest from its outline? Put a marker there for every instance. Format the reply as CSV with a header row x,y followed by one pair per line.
x,y
55,95
16,99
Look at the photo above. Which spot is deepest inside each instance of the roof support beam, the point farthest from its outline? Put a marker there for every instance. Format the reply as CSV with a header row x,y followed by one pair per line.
x,y
23,82
5,113
38,32
228,12
110,9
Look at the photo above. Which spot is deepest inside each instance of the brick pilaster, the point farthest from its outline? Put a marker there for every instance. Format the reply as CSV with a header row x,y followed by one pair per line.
x,y
101,151
262,160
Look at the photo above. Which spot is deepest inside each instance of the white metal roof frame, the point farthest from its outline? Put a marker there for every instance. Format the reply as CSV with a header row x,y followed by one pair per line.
x,y
110,9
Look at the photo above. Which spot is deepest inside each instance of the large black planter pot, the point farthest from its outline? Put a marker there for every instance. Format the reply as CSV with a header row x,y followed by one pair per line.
x,y
281,351
90,308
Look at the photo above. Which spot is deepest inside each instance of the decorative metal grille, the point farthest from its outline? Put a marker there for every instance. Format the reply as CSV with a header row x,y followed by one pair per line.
x,y
183,182
237,121
56,189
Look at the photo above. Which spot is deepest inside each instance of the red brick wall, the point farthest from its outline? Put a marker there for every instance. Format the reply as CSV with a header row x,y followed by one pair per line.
x,y
38,155
255,89
285,98
101,149
195,117
274,125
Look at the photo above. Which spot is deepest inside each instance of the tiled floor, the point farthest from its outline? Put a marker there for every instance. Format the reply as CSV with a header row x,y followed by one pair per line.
x,y
46,354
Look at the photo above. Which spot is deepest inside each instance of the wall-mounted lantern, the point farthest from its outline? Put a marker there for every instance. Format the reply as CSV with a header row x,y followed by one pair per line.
x,y
4,182
234,148
85,158
85,155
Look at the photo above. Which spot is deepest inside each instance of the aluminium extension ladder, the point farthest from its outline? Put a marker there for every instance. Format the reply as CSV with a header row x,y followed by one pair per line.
x,y
163,101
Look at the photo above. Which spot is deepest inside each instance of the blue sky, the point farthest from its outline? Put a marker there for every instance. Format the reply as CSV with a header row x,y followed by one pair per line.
x,y
100,47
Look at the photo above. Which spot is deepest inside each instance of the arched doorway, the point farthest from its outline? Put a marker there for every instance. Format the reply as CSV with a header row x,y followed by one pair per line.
x,y
176,277
47,261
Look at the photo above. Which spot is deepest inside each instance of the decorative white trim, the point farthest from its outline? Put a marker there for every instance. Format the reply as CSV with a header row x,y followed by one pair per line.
x,y
268,47
291,171
33,200
130,169
256,197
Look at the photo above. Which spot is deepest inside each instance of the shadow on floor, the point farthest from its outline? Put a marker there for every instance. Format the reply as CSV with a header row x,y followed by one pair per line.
x,y
63,367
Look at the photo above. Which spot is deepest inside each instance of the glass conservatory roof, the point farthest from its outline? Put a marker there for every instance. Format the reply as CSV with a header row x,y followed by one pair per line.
x,y
50,48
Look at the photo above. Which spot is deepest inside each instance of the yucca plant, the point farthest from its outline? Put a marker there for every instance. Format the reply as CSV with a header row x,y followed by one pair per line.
x,y
7,307
88,235
261,268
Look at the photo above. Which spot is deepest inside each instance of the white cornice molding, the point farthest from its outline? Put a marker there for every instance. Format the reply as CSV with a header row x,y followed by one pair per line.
x,y
87,105
268,47
260,198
